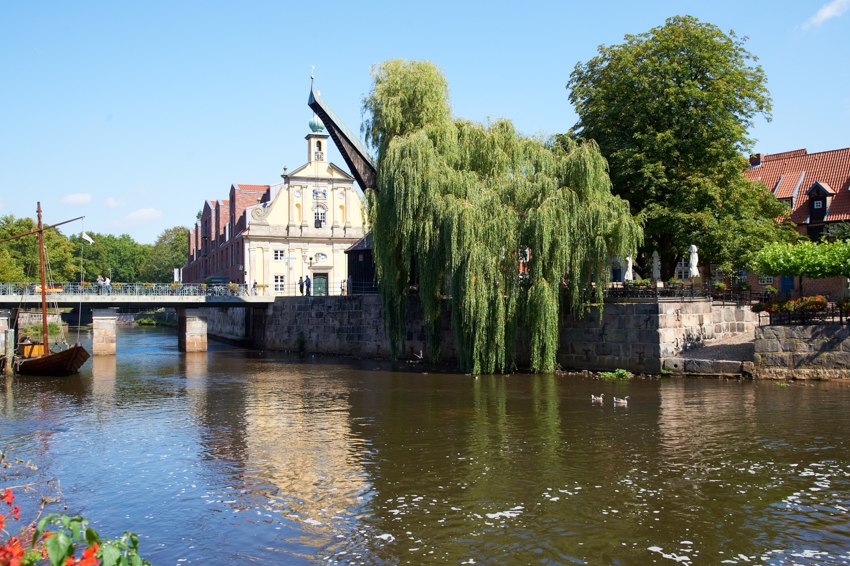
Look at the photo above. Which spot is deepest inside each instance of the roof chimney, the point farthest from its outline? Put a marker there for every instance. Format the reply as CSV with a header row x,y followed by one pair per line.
x,y
755,159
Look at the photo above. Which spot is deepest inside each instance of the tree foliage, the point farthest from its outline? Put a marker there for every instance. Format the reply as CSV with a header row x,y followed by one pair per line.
x,y
119,257
806,259
670,110
168,252
457,202
74,259
22,253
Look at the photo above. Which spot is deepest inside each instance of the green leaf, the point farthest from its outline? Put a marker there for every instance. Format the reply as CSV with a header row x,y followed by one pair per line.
x,y
110,555
74,527
59,547
92,536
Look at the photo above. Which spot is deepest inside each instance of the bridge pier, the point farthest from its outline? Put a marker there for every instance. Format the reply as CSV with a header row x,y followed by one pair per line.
x,y
191,330
104,322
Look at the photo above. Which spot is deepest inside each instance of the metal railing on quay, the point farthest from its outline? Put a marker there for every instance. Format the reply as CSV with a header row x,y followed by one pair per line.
x,y
337,288
833,314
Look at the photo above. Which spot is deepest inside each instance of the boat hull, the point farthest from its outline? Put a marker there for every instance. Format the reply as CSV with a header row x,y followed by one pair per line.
x,y
66,362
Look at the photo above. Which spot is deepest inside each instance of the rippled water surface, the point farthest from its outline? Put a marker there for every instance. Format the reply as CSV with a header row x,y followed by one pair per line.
x,y
237,455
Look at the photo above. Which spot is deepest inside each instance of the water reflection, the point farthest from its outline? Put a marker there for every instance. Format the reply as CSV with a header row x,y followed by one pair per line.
x,y
235,455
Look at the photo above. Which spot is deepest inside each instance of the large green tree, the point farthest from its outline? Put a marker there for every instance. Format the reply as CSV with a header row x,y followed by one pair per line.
x,y
119,257
168,252
457,203
23,252
670,110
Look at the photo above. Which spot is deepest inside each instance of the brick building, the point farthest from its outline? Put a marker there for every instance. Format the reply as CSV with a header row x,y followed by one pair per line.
x,y
275,234
816,186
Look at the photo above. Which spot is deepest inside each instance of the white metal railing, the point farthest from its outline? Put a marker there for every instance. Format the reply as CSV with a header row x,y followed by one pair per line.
x,y
64,290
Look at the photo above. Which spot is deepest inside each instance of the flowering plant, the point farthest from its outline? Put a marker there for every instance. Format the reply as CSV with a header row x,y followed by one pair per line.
x,y
58,539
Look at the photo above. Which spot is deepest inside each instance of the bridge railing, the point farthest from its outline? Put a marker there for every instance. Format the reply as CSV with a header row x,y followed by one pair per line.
x,y
126,289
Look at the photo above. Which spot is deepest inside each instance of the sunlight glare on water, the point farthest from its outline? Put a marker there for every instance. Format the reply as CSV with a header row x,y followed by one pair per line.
x,y
237,455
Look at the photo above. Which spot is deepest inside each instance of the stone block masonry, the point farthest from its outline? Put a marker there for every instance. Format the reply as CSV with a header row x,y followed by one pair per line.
x,y
191,330
819,351
637,336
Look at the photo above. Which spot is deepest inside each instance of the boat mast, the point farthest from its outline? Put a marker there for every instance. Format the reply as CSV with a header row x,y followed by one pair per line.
x,y
43,283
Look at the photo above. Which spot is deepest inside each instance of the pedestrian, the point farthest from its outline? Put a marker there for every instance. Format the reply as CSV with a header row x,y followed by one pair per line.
x,y
348,286
255,287
301,285
99,284
342,287
107,284
307,284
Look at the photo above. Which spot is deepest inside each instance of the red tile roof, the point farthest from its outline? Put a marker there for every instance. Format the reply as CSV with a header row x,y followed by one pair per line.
x,y
792,173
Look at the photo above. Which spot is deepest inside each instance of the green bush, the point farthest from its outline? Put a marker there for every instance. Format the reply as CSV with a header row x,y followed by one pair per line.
x,y
618,374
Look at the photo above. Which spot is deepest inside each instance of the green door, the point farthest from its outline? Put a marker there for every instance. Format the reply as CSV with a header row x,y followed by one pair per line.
x,y
320,284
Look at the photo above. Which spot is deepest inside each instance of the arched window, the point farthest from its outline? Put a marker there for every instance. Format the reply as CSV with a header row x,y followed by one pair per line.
x,y
318,145
320,216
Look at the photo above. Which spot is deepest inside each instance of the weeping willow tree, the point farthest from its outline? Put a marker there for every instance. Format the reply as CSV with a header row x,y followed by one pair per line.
x,y
457,203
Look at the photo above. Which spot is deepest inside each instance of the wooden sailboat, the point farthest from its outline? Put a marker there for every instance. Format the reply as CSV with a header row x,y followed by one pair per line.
x,y
38,359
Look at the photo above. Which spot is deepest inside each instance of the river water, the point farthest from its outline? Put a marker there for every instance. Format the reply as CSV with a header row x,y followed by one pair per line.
x,y
237,455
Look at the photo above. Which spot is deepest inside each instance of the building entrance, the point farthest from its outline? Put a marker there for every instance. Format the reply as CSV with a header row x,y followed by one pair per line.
x,y
320,284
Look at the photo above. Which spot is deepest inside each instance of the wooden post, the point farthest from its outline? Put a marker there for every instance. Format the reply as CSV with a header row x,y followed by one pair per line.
x,y
9,350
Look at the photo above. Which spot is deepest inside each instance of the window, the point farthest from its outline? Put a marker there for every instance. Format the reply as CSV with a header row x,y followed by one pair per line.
x,y
280,255
683,269
279,283
320,216
817,204
765,279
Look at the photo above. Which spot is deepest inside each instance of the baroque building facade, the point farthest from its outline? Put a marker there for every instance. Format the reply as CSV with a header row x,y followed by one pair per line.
x,y
274,235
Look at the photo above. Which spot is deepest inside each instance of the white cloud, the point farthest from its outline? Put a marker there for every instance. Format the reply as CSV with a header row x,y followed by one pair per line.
x,y
77,198
828,11
112,202
143,215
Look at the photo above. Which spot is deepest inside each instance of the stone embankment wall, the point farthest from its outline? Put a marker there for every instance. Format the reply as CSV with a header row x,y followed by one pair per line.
x,y
640,336
637,336
819,351
228,323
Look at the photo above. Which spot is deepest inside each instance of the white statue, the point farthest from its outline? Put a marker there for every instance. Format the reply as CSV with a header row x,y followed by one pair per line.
x,y
656,265
693,271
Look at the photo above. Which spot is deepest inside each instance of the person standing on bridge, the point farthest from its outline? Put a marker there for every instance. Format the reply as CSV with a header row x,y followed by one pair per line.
x,y
107,284
307,284
301,285
100,284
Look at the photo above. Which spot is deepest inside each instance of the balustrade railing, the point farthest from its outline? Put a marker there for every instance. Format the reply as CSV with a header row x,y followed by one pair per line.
x,y
64,290
125,289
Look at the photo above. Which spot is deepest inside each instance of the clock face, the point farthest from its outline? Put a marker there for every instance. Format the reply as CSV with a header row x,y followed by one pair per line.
x,y
297,194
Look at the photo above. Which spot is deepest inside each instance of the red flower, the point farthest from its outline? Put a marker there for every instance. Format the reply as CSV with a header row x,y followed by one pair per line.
x,y
88,558
8,497
12,552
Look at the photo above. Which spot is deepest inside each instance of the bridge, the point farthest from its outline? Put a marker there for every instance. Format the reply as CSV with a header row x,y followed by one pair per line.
x,y
104,302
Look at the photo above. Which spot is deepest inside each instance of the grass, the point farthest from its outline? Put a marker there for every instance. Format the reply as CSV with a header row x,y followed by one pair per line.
x,y
618,374
35,329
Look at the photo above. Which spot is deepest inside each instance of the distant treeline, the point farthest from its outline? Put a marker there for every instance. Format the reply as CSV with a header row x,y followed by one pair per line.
x,y
71,258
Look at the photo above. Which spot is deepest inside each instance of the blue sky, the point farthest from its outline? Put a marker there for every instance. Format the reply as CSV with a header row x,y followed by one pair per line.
x,y
134,113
